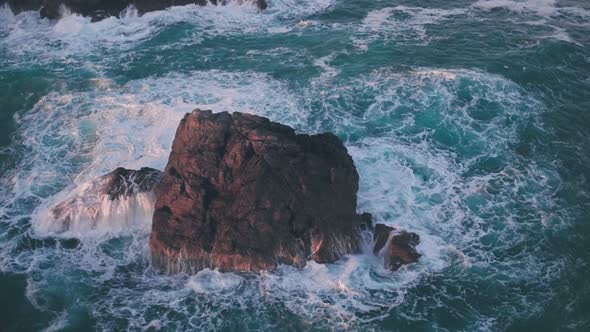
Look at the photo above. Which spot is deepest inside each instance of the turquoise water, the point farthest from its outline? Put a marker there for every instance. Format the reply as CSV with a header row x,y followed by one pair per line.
x,y
468,122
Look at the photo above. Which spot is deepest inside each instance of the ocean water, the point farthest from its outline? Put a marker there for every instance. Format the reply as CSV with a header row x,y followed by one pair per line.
x,y
468,121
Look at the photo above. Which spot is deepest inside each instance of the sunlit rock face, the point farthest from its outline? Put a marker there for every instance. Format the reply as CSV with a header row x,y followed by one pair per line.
x,y
242,193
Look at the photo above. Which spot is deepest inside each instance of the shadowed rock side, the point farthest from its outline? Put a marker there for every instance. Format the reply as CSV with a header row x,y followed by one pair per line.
x,y
101,9
397,248
241,193
103,198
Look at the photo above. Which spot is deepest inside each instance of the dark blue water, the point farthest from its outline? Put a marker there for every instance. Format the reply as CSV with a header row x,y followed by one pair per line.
x,y
468,122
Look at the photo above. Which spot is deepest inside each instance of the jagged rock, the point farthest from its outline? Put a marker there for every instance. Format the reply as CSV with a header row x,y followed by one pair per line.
x,y
124,182
242,193
101,9
103,198
398,248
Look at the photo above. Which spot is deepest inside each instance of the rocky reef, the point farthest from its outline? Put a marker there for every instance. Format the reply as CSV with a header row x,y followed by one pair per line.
x,y
101,9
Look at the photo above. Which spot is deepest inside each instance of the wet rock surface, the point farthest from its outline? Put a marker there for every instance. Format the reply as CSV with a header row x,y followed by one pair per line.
x,y
242,193
101,9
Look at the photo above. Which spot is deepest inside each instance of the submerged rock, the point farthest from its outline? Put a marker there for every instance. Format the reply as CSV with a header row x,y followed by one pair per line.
x,y
122,194
101,9
397,248
242,193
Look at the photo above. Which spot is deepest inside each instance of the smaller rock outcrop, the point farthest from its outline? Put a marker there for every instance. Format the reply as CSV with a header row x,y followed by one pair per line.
x,y
397,247
118,196
124,182
101,9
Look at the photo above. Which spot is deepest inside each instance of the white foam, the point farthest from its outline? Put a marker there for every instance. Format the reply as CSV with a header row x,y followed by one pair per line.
x,y
552,15
89,216
328,72
212,281
411,24
540,7
401,23
6,15
409,179
58,324
436,73
557,33
337,295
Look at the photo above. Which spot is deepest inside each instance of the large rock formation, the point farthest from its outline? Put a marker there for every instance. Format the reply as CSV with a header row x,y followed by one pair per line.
x,y
100,9
239,193
397,248
242,193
